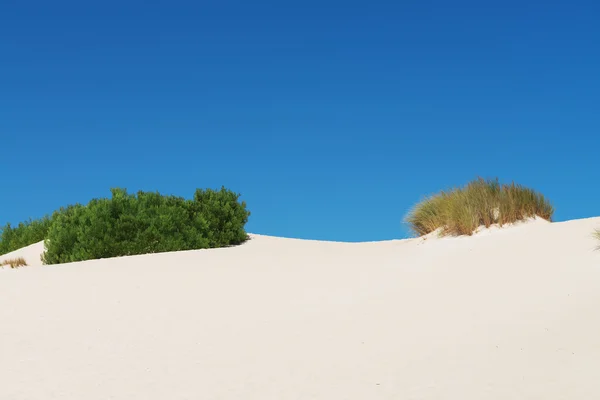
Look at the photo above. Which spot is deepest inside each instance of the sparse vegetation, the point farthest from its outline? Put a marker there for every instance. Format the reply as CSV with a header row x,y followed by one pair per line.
x,y
597,236
14,262
460,211
24,234
127,224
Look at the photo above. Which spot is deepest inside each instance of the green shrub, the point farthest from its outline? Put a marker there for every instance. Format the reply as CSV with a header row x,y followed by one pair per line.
x,y
148,222
24,234
460,211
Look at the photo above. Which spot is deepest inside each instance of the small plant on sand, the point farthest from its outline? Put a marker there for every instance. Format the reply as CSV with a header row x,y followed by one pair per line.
x,y
460,211
597,236
129,224
14,262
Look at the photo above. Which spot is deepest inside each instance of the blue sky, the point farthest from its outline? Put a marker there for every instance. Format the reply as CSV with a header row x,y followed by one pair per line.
x,y
330,118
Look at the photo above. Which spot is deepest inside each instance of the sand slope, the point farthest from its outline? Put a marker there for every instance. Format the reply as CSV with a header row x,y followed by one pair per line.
x,y
31,254
511,314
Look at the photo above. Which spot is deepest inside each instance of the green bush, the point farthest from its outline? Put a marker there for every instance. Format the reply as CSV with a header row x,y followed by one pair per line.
x,y
24,234
127,224
460,211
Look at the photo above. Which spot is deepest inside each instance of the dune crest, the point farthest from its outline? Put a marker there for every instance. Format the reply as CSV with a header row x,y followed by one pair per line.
x,y
482,230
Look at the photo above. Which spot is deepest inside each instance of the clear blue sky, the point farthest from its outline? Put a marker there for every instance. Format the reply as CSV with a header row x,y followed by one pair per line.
x,y
331,118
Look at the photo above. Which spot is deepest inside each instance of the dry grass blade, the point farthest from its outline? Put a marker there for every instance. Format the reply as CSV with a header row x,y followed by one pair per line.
x,y
14,262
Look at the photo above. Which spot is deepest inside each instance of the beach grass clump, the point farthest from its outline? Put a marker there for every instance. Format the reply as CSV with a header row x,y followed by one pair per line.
x,y
461,210
597,236
127,224
14,262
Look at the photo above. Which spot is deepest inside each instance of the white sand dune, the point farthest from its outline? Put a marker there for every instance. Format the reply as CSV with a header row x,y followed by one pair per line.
x,y
512,313
32,254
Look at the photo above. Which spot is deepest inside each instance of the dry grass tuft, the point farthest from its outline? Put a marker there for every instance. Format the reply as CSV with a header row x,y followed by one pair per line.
x,y
14,262
597,236
460,211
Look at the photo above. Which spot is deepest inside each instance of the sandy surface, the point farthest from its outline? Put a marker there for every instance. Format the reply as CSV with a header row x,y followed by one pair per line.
x,y
511,314
31,254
